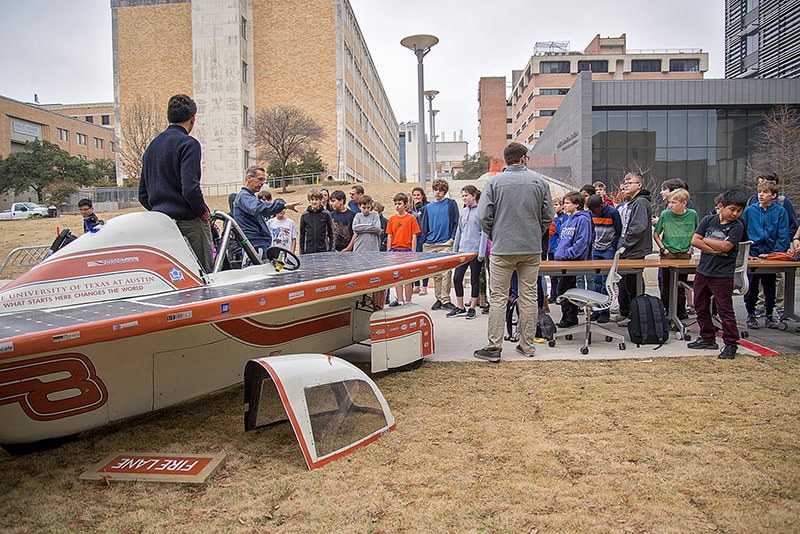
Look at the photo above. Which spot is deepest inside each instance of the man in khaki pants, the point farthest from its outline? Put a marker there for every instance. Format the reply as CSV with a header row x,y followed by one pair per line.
x,y
438,225
515,210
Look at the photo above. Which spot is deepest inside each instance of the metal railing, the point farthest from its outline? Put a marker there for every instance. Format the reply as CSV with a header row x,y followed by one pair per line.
x,y
23,258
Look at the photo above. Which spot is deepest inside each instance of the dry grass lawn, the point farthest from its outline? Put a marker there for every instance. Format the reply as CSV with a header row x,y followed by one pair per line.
x,y
673,445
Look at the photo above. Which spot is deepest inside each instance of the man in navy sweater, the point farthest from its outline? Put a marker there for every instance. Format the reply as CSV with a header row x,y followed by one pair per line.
x,y
170,181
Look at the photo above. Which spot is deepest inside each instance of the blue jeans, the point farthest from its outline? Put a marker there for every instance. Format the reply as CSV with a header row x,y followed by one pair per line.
x,y
598,282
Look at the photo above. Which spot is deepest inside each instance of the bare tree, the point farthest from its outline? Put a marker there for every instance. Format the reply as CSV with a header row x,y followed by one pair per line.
x,y
778,149
283,134
141,122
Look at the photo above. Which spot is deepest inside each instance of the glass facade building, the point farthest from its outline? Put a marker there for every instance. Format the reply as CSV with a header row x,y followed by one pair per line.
x,y
701,131
707,148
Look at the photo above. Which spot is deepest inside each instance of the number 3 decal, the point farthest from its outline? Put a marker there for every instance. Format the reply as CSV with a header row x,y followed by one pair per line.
x,y
52,387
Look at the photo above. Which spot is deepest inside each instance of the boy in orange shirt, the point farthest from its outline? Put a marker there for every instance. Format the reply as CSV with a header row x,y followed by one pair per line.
x,y
401,236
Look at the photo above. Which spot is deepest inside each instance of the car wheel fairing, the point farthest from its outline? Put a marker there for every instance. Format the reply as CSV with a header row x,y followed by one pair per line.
x,y
333,407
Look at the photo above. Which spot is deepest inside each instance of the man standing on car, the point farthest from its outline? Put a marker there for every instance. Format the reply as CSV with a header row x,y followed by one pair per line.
x,y
251,214
170,181
515,210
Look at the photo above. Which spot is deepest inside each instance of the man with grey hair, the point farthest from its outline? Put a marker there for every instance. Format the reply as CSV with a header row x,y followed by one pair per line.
x,y
515,210
251,214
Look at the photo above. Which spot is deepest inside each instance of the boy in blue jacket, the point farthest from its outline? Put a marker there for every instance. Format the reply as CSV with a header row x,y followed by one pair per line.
x,y
768,228
575,244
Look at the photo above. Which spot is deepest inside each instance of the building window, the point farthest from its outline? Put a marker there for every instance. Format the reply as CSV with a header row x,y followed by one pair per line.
x,y
508,120
645,65
81,139
244,72
63,135
246,159
244,28
106,120
245,117
752,43
547,112
111,146
560,91
684,65
554,67
89,118
594,66
98,143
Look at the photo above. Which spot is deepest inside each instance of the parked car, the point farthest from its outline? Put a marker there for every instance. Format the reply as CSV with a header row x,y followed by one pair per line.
x,y
28,210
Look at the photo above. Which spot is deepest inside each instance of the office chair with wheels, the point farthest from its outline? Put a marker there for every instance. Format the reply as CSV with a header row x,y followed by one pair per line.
x,y
741,284
590,301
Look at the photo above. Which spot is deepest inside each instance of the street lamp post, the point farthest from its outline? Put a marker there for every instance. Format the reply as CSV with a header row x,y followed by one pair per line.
x,y
435,173
420,45
430,94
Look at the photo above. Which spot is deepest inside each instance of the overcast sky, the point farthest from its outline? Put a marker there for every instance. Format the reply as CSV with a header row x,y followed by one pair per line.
x,y
61,49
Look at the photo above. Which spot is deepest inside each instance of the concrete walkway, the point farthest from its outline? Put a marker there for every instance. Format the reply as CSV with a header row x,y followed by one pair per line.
x,y
457,338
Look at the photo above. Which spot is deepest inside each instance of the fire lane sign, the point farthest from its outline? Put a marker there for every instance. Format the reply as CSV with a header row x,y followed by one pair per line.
x,y
156,467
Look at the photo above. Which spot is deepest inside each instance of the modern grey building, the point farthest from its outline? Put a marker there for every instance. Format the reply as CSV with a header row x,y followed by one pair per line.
x,y
701,131
762,38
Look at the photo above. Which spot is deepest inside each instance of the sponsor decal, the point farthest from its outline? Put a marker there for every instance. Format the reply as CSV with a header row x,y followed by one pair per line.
x,y
52,387
129,324
66,337
374,279
396,275
112,261
296,295
404,327
325,288
179,316
351,284
225,307
176,275
262,301
8,346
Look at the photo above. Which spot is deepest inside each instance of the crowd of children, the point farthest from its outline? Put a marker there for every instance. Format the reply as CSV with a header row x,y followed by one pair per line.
x,y
588,224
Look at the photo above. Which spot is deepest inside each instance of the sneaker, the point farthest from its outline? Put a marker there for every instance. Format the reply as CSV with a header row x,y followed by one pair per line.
x,y
470,313
551,300
485,310
437,305
449,306
700,344
394,303
770,322
488,353
603,318
758,313
528,354
595,316
728,352
752,322
623,322
456,311
566,324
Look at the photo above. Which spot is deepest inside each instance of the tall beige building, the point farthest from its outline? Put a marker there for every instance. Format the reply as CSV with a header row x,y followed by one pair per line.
x,y
236,58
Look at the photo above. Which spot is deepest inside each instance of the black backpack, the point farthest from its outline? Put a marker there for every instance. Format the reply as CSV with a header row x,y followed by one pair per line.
x,y
648,325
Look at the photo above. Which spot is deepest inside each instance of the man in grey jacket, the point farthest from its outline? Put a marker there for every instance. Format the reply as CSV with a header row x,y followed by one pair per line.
x,y
637,238
514,210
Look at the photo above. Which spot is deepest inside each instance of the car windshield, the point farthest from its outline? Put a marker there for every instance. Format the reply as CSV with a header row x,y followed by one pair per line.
x,y
31,205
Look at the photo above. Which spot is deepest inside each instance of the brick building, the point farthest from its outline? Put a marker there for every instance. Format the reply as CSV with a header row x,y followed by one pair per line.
x,y
237,58
494,116
21,122
101,113
539,88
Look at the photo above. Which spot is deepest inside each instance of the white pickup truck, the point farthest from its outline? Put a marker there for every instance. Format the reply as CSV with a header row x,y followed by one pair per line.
x,y
26,210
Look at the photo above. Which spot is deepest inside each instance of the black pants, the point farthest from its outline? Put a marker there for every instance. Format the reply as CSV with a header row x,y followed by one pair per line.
x,y
569,311
627,291
475,267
